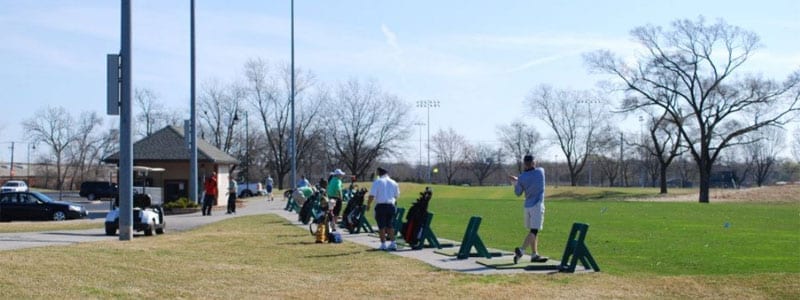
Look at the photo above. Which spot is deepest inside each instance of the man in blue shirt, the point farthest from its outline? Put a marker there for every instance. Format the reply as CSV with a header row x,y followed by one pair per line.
x,y
531,182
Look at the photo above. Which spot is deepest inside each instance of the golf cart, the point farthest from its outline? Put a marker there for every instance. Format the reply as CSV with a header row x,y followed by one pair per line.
x,y
148,214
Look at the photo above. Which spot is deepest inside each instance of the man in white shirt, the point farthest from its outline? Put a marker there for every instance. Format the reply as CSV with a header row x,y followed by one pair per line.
x,y
384,192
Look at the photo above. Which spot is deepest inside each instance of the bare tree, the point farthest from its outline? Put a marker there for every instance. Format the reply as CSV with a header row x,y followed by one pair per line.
x,y
82,152
695,61
483,160
763,151
53,127
519,139
574,122
796,144
364,123
450,149
270,95
663,143
219,105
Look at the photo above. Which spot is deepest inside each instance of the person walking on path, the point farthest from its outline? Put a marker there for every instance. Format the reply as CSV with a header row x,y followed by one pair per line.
x,y
210,186
384,192
233,188
270,182
335,192
532,183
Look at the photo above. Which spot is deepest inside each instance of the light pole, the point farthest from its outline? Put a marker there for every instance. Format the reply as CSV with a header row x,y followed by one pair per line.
x,y
591,118
29,161
555,166
428,104
246,144
419,162
11,171
293,178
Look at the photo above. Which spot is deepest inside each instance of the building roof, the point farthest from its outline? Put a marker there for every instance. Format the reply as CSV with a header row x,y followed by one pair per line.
x,y
168,144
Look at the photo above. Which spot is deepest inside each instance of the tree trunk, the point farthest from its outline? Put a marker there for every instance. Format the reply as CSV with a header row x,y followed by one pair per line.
x,y
663,178
705,183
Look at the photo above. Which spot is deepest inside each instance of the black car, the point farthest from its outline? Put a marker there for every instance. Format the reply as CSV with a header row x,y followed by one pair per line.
x,y
99,189
37,206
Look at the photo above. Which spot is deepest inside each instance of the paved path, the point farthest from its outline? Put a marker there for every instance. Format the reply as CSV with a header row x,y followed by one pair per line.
x,y
253,206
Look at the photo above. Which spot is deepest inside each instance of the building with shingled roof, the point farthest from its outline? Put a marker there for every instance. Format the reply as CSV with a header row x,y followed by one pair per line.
x,y
167,148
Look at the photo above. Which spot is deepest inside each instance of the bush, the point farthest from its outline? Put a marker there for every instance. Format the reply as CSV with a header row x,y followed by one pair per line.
x,y
182,202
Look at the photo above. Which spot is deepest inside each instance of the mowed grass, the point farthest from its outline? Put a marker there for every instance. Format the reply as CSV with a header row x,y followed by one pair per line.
x,y
631,238
265,257
28,226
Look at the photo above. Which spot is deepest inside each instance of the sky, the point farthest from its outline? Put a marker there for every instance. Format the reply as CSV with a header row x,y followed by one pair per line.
x,y
479,59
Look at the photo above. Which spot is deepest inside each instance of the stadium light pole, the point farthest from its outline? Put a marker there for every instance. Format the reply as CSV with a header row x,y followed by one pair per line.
x,y
419,162
125,126
589,103
292,151
428,104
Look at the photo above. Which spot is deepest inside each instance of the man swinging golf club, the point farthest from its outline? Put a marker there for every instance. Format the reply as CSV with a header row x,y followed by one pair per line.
x,y
531,182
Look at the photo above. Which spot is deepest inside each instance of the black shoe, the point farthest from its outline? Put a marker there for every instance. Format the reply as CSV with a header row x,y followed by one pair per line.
x,y
517,255
538,259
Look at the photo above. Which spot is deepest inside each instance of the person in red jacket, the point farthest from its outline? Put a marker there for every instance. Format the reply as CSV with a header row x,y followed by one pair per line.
x,y
210,187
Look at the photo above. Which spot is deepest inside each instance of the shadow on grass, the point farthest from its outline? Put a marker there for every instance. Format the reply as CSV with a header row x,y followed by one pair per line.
x,y
601,195
334,255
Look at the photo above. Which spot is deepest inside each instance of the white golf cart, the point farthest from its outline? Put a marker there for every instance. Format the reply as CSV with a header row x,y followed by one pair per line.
x,y
148,215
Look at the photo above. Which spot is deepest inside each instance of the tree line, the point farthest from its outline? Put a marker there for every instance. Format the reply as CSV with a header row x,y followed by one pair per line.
x,y
685,86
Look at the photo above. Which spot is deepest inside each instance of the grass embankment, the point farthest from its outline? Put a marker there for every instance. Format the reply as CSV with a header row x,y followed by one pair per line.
x,y
28,226
266,257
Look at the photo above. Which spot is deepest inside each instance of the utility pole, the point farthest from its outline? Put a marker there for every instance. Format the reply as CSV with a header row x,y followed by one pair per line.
x,y
125,125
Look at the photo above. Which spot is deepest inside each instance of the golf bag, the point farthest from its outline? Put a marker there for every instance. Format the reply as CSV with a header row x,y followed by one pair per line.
x,y
415,219
354,210
308,210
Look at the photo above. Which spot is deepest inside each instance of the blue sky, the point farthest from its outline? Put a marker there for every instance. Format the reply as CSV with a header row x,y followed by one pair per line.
x,y
478,58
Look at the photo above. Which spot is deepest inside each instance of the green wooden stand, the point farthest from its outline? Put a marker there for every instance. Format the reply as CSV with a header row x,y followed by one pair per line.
x,y
398,221
363,223
471,239
291,205
576,250
429,236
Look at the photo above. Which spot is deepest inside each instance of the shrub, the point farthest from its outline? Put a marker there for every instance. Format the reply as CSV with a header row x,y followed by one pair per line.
x,y
182,202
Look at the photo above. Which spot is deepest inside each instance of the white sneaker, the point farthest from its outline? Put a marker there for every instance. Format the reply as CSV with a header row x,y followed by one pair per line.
x,y
392,247
382,247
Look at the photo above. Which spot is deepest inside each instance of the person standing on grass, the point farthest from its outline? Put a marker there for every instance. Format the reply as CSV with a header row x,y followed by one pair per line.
x,y
233,188
384,191
531,182
335,192
210,186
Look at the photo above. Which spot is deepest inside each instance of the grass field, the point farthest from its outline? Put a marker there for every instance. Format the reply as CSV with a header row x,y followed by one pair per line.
x,y
631,238
647,247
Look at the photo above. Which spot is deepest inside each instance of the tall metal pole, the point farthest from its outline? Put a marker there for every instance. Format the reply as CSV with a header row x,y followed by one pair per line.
x,y
428,104
11,171
125,144
292,137
246,148
419,164
428,144
192,118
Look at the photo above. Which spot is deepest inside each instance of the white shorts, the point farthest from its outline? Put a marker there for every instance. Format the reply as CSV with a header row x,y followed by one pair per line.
x,y
534,217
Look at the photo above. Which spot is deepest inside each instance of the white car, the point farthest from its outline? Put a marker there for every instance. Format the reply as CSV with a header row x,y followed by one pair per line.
x,y
15,186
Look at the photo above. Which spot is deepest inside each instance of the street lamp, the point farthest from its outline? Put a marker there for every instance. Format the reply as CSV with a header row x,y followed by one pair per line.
x,y
246,143
428,104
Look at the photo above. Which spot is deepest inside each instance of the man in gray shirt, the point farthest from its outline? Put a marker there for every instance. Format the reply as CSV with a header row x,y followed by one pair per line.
x,y
531,182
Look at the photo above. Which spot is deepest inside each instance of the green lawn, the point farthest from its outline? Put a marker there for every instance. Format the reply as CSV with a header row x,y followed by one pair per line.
x,y
631,238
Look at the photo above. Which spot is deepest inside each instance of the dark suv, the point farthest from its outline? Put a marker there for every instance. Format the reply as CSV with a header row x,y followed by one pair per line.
x,y
99,189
